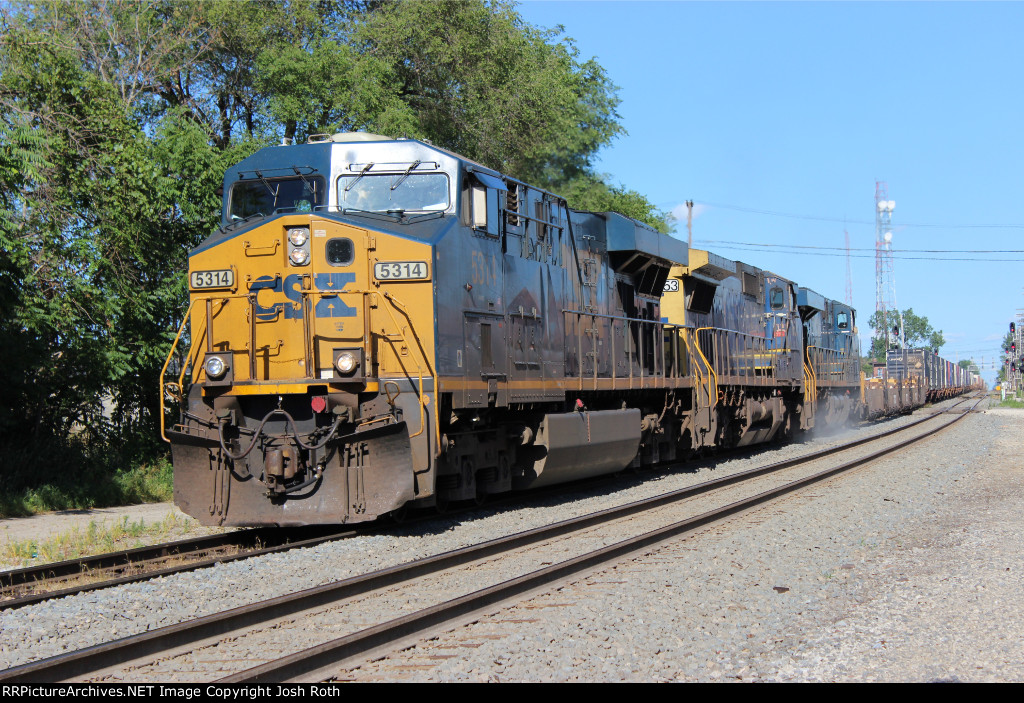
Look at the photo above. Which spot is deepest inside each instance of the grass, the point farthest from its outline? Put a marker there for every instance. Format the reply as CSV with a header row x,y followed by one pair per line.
x,y
1011,403
92,488
96,538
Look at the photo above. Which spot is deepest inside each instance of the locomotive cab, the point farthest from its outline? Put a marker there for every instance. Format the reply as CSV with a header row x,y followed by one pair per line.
x,y
311,335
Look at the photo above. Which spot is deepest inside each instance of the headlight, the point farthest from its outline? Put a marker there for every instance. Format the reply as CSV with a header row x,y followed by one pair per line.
x,y
299,256
298,236
346,362
215,367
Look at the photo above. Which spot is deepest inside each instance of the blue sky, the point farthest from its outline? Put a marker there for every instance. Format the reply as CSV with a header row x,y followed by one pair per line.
x,y
799,108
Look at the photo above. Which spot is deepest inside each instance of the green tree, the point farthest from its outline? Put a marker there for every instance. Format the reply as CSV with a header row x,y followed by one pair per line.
x,y
100,210
916,331
969,364
474,78
118,119
1007,357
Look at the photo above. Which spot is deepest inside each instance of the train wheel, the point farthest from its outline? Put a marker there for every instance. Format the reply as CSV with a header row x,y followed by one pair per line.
x,y
441,503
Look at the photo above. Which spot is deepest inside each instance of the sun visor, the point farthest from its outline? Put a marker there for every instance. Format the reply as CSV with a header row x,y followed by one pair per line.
x,y
626,235
490,181
807,298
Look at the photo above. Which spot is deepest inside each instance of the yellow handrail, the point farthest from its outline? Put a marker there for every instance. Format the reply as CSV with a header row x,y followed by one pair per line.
x,y
193,350
401,306
394,301
170,354
709,379
810,382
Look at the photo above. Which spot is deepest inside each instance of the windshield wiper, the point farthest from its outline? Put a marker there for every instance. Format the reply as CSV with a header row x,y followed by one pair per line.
x,y
362,173
405,175
273,193
310,185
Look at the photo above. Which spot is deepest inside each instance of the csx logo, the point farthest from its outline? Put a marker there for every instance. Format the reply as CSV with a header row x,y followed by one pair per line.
x,y
326,305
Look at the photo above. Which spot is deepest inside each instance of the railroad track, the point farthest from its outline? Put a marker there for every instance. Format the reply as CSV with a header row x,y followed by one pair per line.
x,y
21,587
287,634
35,584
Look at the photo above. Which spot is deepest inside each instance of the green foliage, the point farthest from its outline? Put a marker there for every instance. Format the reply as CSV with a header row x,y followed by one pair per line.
x,y
92,482
479,81
970,365
916,329
117,122
473,78
590,193
1005,365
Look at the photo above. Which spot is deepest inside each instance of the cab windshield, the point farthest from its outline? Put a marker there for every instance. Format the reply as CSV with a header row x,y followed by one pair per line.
x,y
399,192
262,196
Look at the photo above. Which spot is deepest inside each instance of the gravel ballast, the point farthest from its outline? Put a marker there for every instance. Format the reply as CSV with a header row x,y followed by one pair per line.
x,y
907,570
853,533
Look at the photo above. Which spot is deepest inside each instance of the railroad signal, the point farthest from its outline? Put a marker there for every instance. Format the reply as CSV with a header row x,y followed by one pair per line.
x,y
1013,328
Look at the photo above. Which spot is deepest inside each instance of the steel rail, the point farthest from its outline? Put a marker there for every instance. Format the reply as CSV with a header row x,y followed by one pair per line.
x,y
138,647
35,577
321,661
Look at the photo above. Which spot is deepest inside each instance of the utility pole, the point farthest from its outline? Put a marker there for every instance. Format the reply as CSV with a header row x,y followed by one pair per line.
x,y
849,274
689,224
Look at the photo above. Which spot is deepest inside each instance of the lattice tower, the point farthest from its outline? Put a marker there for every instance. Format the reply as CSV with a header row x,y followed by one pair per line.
x,y
885,278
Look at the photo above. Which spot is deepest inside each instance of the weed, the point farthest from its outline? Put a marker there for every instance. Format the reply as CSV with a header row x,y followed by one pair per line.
x,y
96,538
93,488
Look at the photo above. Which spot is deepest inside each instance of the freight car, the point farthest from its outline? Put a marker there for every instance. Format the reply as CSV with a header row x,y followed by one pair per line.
x,y
382,323
934,377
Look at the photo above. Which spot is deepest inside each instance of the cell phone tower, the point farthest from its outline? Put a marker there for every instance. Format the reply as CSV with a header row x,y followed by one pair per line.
x,y
885,278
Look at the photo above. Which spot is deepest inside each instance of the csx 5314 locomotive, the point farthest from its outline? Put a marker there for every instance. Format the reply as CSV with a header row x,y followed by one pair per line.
x,y
381,323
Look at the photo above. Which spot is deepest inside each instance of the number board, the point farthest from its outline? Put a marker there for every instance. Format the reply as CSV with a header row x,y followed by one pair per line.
x,y
401,271
225,278
671,285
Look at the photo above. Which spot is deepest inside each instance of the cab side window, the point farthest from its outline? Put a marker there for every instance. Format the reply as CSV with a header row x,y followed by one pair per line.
x,y
482,194
478,206
777,299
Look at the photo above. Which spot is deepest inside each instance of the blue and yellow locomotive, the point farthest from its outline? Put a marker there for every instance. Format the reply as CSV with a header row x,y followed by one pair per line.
x,y
381,323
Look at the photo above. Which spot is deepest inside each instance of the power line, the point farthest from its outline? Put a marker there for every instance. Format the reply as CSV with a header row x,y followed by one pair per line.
x,y
752,247
916,251
818,218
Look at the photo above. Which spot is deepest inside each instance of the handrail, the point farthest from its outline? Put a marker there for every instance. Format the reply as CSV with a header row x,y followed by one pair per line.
x,y
398,304
742,362
623,318
308,333
640,351
395,302
170,355
810,382
833,365
710,379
